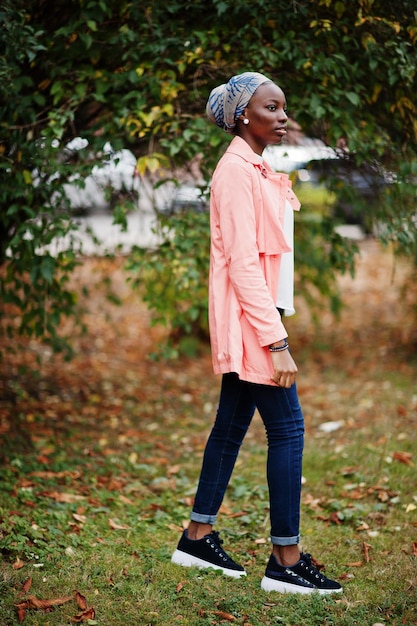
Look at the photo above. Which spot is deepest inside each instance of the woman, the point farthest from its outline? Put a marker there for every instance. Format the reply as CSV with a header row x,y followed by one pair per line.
x,y
250,287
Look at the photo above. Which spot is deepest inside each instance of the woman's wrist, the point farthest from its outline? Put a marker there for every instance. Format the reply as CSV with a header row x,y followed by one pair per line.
x,y
279,346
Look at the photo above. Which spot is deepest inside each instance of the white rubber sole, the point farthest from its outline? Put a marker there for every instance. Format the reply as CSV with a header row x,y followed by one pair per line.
x,y
188,560
269,584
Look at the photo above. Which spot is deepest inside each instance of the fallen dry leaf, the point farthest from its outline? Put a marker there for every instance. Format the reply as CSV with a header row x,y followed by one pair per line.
x,y
125,500
85,616
227,616
18,564
66,498
335,519
115,526
26,586
238,514
155,460
173,469
312,502
175,528
348,471
225,510
156,507
80,599
36,603
354,494
383,495
21,614
180,586
403,457
74,474
366,547
25,483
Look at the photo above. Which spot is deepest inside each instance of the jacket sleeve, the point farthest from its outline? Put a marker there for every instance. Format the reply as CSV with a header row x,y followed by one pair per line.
x,y
235,224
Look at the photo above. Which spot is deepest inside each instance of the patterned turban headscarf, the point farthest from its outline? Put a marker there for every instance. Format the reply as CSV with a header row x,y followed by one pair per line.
x,y
229,100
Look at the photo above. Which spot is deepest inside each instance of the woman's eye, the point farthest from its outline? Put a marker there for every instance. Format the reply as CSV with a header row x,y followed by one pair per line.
x,y
272,107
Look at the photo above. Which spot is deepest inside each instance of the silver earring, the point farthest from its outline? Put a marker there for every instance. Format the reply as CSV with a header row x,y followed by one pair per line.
x,y
246,121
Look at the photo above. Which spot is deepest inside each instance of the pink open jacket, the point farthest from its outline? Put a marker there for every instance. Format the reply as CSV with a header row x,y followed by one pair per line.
x,y
247,239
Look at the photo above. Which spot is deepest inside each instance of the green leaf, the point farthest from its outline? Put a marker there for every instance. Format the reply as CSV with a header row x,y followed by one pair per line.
x,y
353,98
47,268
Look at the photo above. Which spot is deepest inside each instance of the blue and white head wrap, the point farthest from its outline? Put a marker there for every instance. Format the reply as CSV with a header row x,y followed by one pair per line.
x,y
226,102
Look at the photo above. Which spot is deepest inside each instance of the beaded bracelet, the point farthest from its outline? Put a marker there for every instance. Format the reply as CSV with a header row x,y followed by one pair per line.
x,y
284,346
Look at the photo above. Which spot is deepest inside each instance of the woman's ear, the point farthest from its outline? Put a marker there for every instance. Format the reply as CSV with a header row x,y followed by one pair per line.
x,y
243,119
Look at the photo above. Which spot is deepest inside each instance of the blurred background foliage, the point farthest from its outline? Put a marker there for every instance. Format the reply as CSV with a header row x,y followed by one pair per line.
x,y
138,74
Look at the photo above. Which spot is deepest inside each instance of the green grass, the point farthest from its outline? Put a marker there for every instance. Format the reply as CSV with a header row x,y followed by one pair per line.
x,y
126,574
97,482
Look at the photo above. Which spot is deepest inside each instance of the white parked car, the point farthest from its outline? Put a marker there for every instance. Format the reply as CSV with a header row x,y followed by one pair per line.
x,y
114,178
283,158
187,197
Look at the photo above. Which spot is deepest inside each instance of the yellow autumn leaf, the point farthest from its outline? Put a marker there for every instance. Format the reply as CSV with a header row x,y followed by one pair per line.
x,y
27,177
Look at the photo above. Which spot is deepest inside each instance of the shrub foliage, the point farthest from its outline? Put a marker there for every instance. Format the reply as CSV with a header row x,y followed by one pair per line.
x,y
138,74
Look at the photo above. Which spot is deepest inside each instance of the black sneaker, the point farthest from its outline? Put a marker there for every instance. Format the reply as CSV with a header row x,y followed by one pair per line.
x,y
303,577
206,553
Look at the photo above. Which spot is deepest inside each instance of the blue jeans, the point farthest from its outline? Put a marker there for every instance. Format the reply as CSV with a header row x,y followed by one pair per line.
x,y
284,424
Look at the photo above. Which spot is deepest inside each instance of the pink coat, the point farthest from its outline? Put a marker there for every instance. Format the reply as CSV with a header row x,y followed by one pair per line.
x,y
247,239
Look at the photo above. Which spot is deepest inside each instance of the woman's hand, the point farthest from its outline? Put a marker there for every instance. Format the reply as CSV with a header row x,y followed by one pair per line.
x,y
285,369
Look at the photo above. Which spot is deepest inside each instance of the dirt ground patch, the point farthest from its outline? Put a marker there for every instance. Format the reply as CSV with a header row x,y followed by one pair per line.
x,y
374,339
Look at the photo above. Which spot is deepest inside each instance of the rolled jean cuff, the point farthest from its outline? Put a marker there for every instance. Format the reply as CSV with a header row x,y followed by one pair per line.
x,y
285,541
203,519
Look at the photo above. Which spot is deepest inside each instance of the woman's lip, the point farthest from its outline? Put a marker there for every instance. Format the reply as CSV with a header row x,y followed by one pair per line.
x,y
281,131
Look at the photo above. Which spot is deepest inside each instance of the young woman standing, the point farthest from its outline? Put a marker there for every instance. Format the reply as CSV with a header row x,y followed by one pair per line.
x,y
250,288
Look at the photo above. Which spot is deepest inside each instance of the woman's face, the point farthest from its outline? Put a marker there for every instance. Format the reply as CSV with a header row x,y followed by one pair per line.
x,y
267,118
